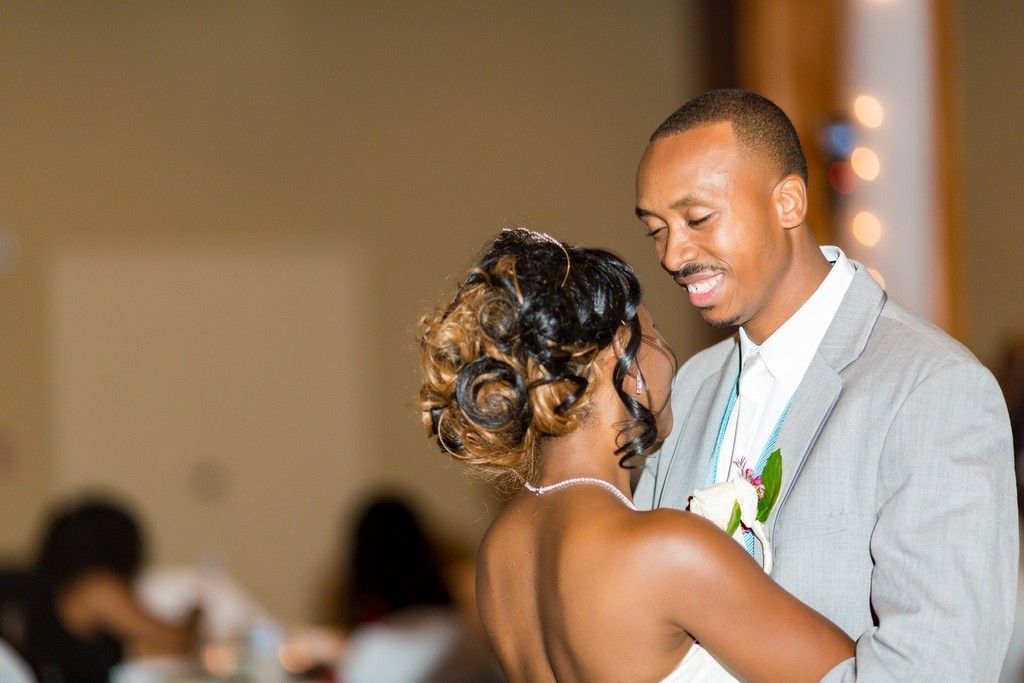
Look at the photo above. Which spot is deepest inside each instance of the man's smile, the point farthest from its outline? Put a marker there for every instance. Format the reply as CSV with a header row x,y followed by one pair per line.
x,y
703,288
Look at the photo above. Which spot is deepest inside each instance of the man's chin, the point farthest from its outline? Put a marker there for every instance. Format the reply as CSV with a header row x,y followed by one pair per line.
x,y
718,321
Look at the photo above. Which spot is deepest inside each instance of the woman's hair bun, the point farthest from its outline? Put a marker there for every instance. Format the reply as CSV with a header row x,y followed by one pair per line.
x,y
510,359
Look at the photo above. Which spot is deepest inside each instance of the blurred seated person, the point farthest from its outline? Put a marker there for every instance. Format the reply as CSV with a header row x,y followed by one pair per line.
x,y
81,616
13,583
398,610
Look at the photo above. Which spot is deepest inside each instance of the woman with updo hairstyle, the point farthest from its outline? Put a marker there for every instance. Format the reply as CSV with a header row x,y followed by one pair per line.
x,y
511,359
544,373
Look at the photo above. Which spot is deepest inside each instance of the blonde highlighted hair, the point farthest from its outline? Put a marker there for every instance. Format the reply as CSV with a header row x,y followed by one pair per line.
x,y
511,358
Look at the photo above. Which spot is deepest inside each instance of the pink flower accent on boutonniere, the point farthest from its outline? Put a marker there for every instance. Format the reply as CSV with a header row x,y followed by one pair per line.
x,y
743,503
755,481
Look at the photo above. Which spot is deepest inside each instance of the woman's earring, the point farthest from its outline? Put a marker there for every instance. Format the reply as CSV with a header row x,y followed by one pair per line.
x,y
639,382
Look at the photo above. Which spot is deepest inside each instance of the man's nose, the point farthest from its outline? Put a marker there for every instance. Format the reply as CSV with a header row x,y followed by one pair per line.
x,y
679,250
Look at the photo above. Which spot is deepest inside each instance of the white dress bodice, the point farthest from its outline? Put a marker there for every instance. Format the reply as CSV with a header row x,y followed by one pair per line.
x,y
698,666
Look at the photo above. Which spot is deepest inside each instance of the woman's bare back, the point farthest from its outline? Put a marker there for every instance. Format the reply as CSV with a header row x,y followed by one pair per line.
x,y
562,598
579,587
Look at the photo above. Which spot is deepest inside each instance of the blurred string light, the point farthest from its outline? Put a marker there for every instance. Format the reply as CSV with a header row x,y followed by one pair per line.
x,y
868,111
850,161
889,83
865,163
861,162
867,229
841,177
840,139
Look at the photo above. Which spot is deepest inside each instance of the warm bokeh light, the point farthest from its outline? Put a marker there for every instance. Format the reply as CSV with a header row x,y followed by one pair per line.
x,y
220,660
841,177
868,111
867,229
865,163
878,277
295,658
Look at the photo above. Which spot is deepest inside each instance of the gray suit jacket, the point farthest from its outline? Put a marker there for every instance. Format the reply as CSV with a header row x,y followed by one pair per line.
x,y
897,517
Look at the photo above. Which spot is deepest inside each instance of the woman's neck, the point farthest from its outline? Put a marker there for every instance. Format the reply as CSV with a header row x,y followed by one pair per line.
x,y
587,452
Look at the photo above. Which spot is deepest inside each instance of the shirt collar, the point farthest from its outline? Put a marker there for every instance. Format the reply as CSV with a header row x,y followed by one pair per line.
x,y
789,350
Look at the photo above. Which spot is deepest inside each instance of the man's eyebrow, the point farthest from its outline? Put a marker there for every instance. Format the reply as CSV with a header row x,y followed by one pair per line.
x,y
684,201
677,204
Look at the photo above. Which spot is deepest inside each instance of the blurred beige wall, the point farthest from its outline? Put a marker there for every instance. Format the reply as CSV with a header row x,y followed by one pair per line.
x,y
157,154
217,386
992,173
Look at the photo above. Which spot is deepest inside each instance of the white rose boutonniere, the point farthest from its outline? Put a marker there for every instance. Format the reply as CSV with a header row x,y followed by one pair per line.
x,y
743,503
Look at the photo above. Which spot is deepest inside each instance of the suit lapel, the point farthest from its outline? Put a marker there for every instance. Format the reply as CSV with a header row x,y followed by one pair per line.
x,y
822,385
698,433
811,406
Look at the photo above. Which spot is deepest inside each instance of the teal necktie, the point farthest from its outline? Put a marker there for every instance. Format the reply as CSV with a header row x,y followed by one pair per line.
x,y
712,474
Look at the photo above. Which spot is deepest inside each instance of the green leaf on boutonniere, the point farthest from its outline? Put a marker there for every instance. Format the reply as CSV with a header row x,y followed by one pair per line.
x,y
771,478
734,519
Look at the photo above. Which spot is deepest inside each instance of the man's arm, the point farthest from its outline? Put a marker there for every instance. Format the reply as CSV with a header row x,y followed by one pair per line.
x,y
945,546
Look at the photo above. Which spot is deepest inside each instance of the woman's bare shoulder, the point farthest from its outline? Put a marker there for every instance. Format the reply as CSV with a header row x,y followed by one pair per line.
x,y
668,544
508,539
505,528
668,525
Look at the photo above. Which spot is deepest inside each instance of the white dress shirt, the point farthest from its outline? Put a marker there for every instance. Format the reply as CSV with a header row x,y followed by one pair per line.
x,y
786,355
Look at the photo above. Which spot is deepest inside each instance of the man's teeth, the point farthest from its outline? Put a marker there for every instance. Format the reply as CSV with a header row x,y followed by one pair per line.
x,y
703,286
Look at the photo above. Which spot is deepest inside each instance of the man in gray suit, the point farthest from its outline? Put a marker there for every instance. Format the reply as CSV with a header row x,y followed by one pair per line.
x,y
897,516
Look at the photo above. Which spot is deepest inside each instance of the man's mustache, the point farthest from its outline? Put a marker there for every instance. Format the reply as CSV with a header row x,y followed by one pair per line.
x,y
693,269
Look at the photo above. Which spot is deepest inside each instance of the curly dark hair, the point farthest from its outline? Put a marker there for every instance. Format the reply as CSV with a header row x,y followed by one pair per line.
x,y
510,359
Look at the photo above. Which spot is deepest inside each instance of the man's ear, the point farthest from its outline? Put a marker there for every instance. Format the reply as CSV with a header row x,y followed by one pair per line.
x,y
791,201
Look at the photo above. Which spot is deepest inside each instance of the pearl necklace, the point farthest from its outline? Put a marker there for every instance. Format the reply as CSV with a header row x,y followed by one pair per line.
x,y
541,490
